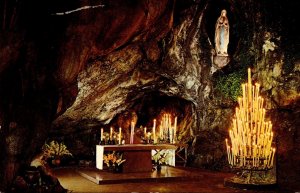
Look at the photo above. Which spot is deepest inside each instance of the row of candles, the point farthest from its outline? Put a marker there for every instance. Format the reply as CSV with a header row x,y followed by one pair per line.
x,y
251,136
167,131
111,135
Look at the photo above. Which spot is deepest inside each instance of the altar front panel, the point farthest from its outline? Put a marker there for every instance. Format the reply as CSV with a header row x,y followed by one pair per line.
x,y
138,156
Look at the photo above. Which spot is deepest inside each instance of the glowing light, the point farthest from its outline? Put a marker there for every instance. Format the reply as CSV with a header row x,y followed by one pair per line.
x,y
251,136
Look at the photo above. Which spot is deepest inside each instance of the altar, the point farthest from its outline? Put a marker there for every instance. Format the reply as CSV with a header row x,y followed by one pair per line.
x,y
138,156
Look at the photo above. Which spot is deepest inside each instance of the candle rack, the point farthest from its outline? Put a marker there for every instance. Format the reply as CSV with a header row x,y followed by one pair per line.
x,y
249,147
258,166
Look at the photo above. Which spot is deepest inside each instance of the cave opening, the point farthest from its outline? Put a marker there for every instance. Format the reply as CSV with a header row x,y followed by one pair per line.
x,y
82,137
154,105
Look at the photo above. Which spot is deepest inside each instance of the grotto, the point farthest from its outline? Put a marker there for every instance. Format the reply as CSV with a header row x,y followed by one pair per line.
x,y
149,96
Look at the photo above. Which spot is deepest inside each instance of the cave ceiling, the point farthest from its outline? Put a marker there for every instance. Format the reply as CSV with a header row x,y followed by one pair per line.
x,y
126,62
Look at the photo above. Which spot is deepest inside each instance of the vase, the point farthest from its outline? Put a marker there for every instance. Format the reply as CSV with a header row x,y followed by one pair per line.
x,y
158,168
56,161
118,169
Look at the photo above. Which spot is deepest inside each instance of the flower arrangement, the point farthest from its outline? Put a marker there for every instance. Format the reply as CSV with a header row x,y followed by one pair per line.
x,y
55,149
113,159
161,158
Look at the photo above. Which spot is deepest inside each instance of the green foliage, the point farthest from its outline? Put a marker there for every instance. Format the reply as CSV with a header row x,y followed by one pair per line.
x,y
230,85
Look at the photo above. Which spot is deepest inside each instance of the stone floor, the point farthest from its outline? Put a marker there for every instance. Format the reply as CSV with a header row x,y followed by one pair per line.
x,y
166,174
198,181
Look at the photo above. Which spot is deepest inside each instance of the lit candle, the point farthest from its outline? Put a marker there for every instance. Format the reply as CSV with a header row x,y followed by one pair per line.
x,y
263,115
175,129
268,143
145,132
273,153
160,132
267,160
153,131
245,148
111,130
235,126
171,134
244,97
230,135
255,155
257,103
249,85
249,137
169,123
120,133
229,155
227,148
253,99
259,125
132,132
239,99
163,126
165,122
101,137
233,157
262,103
166,127
244,161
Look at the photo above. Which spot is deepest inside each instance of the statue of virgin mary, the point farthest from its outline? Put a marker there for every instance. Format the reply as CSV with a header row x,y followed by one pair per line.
x,y
222,34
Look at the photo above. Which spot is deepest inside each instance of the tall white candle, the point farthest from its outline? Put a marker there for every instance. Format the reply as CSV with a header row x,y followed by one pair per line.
x,y
132,132
249,85
101,137
153,131
111,130
175,129
120,134
273,155
160,132
227,147
169,121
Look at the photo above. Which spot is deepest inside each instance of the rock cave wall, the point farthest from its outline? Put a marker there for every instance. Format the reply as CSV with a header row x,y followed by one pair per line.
x,y
78,72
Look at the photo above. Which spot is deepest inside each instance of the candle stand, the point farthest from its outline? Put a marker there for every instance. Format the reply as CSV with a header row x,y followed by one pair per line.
x,y
249,149
252,178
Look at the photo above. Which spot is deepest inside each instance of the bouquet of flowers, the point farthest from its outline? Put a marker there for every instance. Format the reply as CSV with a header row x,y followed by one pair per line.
x,y
161,158
55,149
113,159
